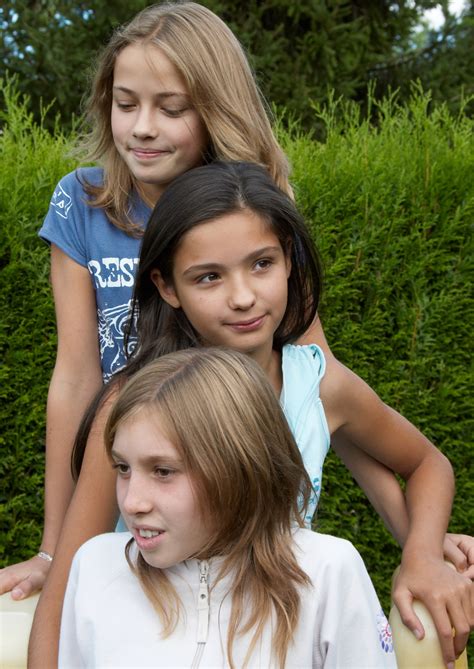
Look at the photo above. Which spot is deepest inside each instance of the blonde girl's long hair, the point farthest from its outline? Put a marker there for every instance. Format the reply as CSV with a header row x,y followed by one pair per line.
x,y
220,412
220,83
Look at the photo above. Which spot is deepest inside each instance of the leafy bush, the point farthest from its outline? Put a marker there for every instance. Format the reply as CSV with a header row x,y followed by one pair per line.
x,y
391,208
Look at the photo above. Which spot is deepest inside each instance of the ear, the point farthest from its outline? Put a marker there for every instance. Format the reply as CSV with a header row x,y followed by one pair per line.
x,y
165,289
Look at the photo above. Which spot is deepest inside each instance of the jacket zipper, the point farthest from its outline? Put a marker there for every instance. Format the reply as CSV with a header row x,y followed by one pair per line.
x,y
203,612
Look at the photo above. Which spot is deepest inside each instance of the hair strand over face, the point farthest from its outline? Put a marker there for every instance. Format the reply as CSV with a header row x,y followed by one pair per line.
x,y
221,86
248,474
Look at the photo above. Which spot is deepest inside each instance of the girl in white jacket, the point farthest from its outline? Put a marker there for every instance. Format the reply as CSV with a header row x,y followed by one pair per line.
x,y
217,570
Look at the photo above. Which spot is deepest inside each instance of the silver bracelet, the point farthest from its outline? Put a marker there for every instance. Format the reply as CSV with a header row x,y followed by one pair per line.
x,y
44,555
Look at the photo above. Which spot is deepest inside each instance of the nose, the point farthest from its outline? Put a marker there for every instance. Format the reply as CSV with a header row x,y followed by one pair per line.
x,y
242,294
136,498
146,124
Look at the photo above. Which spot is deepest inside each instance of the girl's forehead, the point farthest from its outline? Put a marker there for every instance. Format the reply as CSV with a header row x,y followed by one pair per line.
x,y
145,425
230,237
145,63
238,221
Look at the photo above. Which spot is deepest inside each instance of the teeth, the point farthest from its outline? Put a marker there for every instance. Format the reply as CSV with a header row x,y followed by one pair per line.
x,y
147,534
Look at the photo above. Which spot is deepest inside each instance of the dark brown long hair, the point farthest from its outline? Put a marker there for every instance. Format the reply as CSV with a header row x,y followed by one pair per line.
x,y
204,194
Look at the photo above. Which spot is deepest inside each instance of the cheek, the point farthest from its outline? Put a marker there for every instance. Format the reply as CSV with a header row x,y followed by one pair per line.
x,y
120,491
195,137
199,309
117,125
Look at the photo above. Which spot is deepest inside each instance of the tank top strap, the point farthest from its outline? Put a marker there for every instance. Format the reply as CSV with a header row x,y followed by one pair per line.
x,y
303,368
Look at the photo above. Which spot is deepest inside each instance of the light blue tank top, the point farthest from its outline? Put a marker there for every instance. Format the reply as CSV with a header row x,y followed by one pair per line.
x,y
303,368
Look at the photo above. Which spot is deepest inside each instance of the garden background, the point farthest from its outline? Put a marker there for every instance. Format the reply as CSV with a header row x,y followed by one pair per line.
x,y
384,179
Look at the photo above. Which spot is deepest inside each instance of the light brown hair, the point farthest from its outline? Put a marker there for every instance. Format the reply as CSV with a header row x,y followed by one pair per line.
x,y
221,86
232,429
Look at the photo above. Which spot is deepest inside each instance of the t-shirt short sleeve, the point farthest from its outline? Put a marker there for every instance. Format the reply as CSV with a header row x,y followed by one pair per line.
x,y
86,235
64,224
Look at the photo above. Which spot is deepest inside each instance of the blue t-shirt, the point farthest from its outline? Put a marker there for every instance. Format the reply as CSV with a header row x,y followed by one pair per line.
x,y
87,236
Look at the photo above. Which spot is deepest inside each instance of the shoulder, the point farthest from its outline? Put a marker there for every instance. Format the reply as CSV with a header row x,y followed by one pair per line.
x,y
75,181
318,553
71,191
310,352
305,361
83,175
103,545
102,556
349,401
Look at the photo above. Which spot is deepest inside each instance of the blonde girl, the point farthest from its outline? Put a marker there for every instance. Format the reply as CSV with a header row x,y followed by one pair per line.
x,y
217,570
173,89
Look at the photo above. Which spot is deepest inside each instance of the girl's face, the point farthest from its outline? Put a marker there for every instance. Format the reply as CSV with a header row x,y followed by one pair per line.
x,y
155,493
155,128
230,277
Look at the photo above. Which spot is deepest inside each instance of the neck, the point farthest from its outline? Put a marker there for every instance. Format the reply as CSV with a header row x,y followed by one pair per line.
x,y
270,362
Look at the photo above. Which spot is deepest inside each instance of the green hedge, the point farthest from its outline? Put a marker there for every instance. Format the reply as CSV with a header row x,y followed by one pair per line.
x,y
391,207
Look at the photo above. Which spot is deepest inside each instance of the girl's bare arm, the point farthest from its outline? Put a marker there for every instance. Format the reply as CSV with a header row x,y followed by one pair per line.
x,y
75,380
355,412
381,486
93,510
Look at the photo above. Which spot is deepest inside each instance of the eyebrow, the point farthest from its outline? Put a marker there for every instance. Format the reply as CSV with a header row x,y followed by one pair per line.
x,y
164,95
151,460
217,266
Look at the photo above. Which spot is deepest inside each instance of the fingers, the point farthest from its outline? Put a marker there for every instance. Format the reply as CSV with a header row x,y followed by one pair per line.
x,y
29,586
466,545
469,573
25,578
404,603
453,618
454,554
11,576
448,597
445,620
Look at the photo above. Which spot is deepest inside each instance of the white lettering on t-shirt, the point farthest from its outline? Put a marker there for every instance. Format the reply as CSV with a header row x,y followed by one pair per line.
x,y
126,266
113,272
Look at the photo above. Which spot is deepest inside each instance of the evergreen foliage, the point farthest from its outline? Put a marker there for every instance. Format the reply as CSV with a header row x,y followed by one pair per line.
x,y
390,205
299,48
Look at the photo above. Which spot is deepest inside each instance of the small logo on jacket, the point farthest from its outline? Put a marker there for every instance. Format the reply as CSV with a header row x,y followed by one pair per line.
x,y
385,632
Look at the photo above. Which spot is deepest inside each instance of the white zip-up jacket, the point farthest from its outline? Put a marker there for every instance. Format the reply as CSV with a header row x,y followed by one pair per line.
x,y
109,622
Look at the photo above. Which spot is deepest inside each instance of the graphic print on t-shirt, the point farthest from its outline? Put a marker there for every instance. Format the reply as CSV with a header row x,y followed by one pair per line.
x,y
113,279
112,324
113,272
61,202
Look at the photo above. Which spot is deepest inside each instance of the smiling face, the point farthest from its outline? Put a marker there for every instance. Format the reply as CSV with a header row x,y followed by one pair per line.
x,y
155,128
155,493
230,277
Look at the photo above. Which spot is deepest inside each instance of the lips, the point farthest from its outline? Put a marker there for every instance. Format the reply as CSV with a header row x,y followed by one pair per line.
x,y
148,154
247,325
147,538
